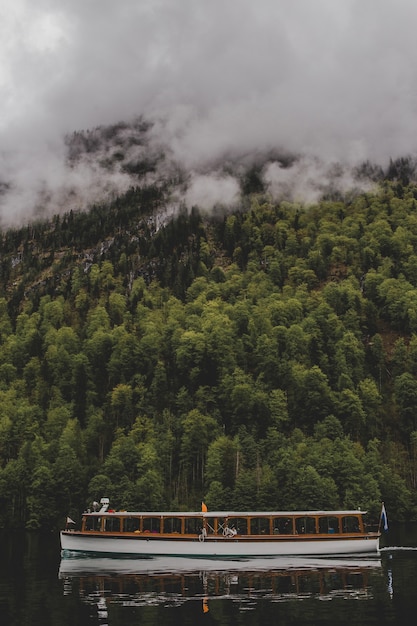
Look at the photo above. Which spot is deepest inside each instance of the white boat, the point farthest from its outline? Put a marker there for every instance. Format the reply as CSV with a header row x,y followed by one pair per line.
x,y
224,534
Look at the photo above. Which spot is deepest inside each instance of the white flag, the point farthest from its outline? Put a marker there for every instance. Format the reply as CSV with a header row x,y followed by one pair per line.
x,y
70,521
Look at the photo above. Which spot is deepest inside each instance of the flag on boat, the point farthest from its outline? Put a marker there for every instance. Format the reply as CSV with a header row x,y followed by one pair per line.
x,y
204,507
70,521
384,518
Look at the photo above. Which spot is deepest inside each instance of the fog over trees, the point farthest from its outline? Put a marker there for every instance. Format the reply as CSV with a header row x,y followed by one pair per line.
x,y
262,356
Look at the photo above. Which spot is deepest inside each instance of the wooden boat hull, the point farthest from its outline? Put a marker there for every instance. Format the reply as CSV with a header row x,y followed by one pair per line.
x,y
73,541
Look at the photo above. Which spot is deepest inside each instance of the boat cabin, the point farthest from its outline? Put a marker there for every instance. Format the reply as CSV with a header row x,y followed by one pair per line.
x,y
226,524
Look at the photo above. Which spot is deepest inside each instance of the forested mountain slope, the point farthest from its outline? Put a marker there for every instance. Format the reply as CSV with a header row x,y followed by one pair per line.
x,y
260,358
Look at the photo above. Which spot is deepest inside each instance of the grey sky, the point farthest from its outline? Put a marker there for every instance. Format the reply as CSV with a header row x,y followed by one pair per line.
x,y
331,78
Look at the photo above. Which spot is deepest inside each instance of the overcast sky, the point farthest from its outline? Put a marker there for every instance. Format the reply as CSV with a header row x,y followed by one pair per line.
x,y
333,78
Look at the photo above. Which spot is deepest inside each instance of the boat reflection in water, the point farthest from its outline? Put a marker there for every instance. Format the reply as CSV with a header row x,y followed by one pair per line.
x,y
173,580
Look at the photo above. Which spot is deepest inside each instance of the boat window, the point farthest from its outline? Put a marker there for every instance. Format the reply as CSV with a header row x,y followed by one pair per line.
x,y
151,524
259,526
240,524
305,525
172,525
92,523
350,524
214,525
328,524
131,524
112,524
282,526
193,525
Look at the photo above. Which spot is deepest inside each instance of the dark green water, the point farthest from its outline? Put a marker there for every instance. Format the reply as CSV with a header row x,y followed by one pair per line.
x,y
38,588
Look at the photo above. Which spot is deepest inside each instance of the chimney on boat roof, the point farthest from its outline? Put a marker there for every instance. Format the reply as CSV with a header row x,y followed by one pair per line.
x,y
104,505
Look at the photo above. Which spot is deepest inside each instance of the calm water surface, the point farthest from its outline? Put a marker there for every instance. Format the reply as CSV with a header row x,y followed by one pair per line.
x,y
37,587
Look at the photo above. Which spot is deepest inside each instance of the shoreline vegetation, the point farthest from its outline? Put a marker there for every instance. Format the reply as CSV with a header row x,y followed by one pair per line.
x,y
258,358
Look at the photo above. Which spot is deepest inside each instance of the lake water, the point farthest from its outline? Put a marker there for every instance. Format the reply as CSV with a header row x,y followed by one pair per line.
x,y
37,587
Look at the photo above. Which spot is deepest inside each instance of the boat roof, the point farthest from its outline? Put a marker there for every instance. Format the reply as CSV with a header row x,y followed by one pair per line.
x,y
226,513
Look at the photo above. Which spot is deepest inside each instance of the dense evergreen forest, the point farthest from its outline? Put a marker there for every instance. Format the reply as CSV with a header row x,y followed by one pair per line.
x,y
260,358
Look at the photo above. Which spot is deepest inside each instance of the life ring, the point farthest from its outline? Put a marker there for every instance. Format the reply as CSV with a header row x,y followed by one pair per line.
x,y
229,532
203,534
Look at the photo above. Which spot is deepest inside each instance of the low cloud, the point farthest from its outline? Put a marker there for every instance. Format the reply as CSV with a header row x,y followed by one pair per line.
x,y
207,191
308,179
330,82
